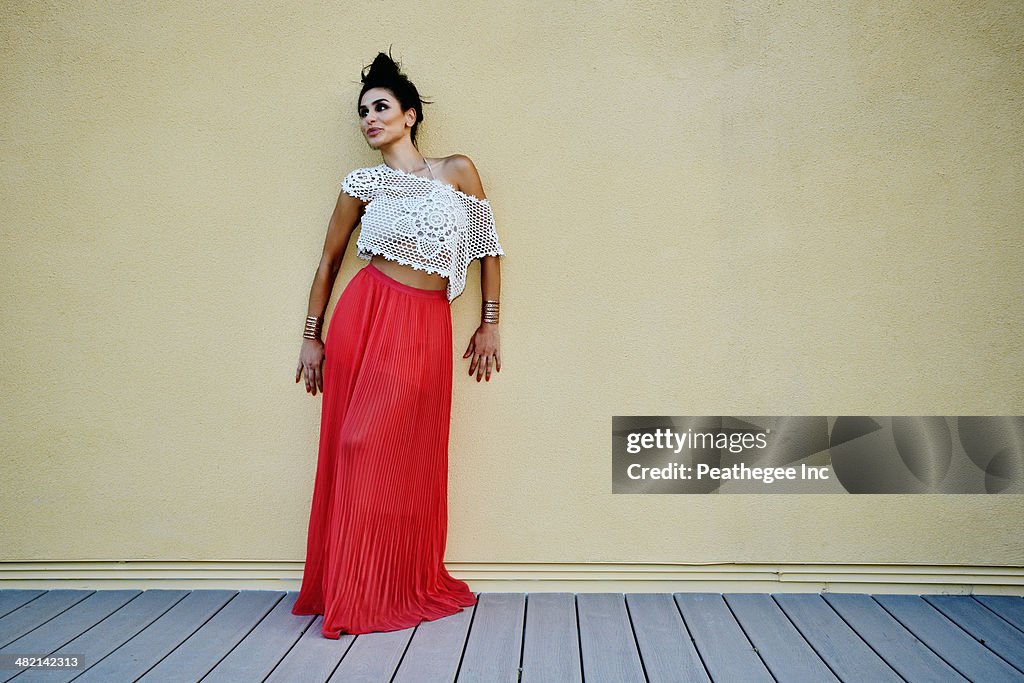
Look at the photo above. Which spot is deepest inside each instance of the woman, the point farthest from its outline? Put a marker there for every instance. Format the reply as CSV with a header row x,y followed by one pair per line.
x,y
378,521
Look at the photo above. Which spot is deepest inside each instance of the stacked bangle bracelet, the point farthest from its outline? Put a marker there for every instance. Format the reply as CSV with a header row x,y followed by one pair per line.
x,y
313,326
490,311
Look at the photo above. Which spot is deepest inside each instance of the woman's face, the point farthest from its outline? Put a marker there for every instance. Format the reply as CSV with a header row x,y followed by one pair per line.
x,y
381,117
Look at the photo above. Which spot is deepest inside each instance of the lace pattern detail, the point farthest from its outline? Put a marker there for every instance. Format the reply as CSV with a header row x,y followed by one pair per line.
x,y
422,222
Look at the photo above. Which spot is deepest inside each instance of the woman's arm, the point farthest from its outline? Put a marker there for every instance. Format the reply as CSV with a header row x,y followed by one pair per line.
x,y
485,346
486,341
347,213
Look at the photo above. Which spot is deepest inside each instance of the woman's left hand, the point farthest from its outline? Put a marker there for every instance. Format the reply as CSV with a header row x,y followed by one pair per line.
x,y
484,348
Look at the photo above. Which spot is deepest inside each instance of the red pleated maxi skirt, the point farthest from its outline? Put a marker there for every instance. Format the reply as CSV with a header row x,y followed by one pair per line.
x,y
378,524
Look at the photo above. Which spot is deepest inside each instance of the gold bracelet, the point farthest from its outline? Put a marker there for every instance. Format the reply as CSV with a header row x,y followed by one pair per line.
x,y
314,323
489,311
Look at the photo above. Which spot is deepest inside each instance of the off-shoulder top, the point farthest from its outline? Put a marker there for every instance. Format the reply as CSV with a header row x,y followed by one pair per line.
x,y
422,222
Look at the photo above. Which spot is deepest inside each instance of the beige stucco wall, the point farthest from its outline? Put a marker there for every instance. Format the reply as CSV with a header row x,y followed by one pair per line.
x,y
709,208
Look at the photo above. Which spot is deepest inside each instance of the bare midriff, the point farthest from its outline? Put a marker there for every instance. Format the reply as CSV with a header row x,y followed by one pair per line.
x,y
408,275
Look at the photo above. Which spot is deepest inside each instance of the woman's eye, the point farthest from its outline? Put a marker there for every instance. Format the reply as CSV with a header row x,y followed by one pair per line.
x,y
380,106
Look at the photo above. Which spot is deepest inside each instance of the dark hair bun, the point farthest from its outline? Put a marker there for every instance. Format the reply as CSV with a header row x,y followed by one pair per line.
x,y
383,68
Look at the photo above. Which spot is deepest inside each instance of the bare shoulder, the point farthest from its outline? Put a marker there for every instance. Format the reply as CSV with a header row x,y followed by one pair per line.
x,y
461,168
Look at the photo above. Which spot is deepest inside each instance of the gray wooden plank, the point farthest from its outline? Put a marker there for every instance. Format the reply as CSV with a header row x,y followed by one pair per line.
x,y
495,639
911,658
108,635
66,626
264,646
836,643
13,598
207,645
1009,607
551,646
373,657
607,645
313,658
158,639
723,647
436,648
666,648
781,646
962,652
986,627
36,612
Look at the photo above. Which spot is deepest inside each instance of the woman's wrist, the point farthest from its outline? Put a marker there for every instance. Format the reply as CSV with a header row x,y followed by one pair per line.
x,y
489,311
314,323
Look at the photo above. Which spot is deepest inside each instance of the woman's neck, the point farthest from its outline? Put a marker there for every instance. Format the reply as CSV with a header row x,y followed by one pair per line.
x,y
408,159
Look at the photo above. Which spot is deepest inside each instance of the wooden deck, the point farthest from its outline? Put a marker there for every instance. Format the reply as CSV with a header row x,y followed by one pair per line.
x,y
241,636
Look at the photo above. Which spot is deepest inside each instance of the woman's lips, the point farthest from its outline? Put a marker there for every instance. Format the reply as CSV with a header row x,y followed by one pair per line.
x,y
373,131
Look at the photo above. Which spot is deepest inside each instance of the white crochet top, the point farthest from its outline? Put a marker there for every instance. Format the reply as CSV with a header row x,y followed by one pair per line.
x,y
422,222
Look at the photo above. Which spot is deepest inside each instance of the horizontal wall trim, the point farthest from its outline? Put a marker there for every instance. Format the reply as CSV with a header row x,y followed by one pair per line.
x,y
575,577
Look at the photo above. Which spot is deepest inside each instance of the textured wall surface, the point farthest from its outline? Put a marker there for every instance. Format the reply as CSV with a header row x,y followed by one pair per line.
x,y
714,208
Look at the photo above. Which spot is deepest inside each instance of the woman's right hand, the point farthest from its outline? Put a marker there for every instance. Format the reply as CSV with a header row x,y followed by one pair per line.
x,y
311,360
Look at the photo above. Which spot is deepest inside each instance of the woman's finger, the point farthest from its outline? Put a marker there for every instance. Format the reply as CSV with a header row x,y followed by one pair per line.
x,y
497,361
468,349
488,368
320,377
298,372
